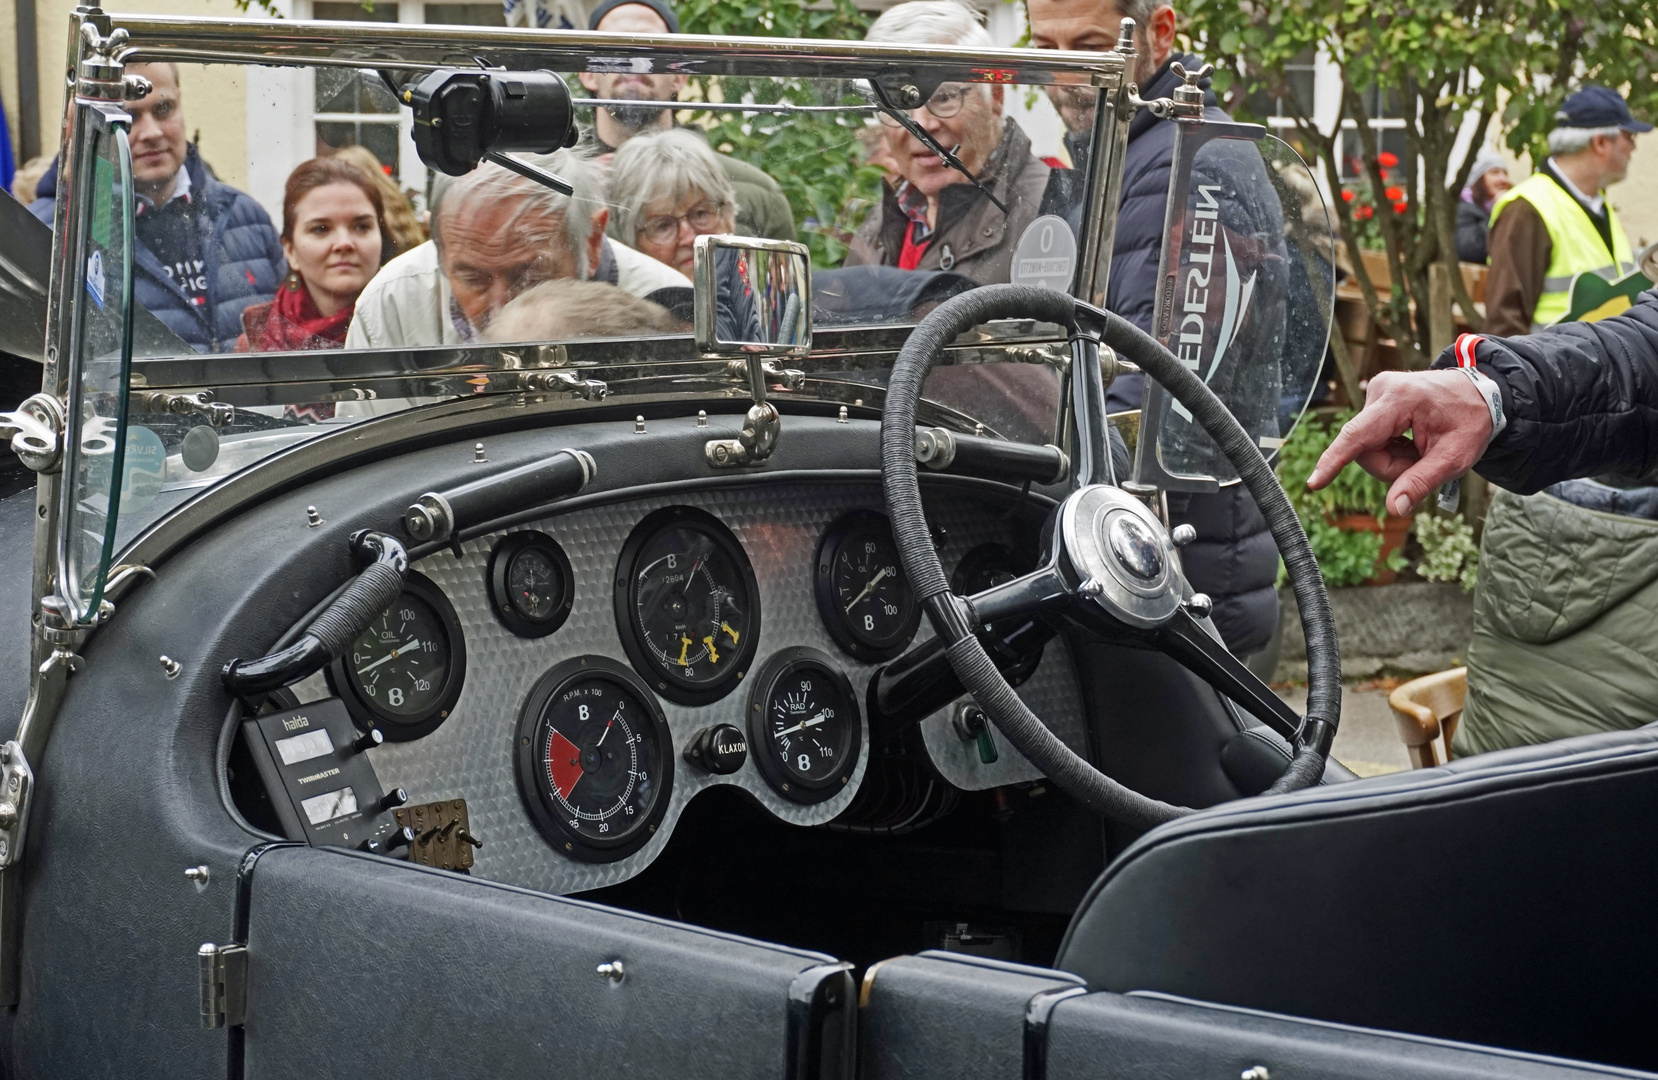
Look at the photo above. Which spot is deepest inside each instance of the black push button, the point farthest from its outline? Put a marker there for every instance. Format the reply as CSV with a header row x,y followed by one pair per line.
x,y
720,749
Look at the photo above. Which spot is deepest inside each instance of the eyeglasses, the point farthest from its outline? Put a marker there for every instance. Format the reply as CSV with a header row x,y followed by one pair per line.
x,y
945,103
662,230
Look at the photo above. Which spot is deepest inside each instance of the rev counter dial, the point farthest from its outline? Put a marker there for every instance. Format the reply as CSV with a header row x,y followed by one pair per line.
x,y
594,759
687,605
865,600
403,675
804,729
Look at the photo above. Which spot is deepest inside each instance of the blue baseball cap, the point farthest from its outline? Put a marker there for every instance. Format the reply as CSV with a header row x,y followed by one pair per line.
x,y
1598,107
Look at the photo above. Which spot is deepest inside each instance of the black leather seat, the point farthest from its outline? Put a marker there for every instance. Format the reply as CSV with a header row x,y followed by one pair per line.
x,y
1508,900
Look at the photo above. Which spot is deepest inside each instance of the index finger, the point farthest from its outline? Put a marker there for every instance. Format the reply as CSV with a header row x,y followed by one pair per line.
x,y
1372,429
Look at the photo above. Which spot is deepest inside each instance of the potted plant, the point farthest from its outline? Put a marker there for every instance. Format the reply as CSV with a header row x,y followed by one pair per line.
x,y
1353,537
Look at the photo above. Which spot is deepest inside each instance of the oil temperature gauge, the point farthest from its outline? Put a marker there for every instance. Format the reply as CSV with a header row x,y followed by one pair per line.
x,y
804,730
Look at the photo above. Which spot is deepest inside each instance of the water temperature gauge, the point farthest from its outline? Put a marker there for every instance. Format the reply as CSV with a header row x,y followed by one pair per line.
x,y
804,730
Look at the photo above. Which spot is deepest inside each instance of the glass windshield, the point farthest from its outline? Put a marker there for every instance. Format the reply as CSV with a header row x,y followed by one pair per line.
x,y
299,267
97,457
1248,291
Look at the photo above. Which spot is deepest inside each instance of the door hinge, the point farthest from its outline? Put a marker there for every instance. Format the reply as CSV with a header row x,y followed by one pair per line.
x,y
224,985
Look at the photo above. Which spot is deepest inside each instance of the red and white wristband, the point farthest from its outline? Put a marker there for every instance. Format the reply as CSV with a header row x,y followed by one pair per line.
x,y
1464,349
1450,493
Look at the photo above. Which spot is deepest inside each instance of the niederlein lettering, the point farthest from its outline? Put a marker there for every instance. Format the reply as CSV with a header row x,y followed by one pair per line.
x,y
1194,298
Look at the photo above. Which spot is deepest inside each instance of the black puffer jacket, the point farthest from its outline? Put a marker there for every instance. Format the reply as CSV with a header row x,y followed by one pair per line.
x,y
1581,400
1233,559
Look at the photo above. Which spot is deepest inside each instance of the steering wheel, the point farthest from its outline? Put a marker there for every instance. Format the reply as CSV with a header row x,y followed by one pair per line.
x,y
1111,568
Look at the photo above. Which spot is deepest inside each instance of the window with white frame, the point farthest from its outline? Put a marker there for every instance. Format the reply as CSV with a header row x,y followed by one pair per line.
x,y
1277,113
354,108
1388,121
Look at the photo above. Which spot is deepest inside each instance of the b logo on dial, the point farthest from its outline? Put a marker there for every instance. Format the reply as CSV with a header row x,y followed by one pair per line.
x,y
804,729
865,600
687,605
594,767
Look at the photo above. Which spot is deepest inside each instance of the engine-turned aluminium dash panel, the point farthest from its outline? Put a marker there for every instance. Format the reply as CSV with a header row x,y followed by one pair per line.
x,y
473,754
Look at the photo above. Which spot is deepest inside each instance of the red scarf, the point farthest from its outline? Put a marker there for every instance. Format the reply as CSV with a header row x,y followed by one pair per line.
x,y
292,322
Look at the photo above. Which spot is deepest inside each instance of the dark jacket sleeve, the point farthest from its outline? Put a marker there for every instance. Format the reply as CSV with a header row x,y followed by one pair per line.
x,y
1472,226
1519,247
1581,400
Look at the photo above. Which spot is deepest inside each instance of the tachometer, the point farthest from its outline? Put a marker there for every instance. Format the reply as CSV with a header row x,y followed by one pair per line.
x,y
404,673
866,602
687,605
803,725
594,759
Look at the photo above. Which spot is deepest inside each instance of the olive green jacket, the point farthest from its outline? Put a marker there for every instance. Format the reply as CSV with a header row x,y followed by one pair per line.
x,y
1565,625
762,208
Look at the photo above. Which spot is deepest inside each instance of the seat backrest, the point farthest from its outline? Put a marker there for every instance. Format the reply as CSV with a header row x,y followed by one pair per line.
x,y
1508,900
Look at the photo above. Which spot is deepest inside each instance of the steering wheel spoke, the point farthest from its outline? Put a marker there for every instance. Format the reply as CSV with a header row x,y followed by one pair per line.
x,y
1204,655
1041,591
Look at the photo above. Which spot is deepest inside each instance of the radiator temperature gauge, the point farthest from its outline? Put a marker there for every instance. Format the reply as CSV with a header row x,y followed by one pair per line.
x,y
804,729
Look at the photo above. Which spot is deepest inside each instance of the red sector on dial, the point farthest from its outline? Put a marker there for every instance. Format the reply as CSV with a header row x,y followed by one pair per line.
x,y
563,764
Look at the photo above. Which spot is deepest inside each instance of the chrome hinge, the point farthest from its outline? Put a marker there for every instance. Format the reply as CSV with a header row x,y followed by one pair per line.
x,y
36,432
569,382
16,782
224,985
217,413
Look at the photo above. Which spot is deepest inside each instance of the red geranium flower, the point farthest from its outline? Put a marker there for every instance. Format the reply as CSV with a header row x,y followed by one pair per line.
x,y
1400,208
1395,193
1387,159
1347,195
1362,213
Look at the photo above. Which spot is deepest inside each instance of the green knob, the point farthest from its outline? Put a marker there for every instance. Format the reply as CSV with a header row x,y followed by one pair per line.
x,y
987,746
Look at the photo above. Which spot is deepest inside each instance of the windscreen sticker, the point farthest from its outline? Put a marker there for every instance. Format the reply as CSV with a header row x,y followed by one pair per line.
x,y
1046,256
95,277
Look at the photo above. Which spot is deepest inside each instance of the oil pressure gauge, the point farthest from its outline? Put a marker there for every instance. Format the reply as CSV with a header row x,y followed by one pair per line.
x,y
804,730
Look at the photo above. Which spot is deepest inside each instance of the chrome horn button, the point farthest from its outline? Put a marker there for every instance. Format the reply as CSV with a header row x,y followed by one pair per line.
x,y
1124,555
1134,545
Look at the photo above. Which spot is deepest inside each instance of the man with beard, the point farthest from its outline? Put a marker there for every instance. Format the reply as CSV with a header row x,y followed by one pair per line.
x,y
1233,559
762,208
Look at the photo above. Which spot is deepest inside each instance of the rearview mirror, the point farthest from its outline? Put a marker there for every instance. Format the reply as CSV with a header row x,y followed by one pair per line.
x,y
753,297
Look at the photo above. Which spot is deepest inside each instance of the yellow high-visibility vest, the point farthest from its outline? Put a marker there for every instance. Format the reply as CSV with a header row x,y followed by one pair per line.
x,y
1576,246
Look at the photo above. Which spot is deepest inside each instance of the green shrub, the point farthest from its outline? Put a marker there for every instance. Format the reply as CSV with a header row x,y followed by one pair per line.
x,y
1449,552
1344,558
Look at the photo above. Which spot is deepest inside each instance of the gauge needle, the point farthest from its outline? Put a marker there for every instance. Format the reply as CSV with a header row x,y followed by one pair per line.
x,y
606,734
393,655
684,647
874,581
813,722
690,575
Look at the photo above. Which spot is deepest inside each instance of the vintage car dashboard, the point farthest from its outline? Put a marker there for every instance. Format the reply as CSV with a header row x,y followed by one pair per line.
x,y
579,677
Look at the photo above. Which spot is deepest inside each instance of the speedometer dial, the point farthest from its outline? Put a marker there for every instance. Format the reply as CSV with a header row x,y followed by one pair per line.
x,y
687,605
865,600
594,766
403,674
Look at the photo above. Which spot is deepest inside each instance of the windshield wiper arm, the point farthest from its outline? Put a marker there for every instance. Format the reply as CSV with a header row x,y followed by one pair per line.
x,y
907,122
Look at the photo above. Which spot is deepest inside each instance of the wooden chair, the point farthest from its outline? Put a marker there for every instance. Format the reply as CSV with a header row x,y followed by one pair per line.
x,y
1427,708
